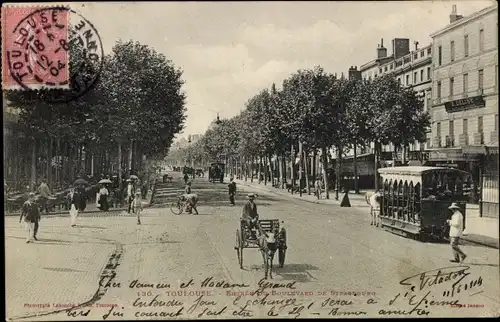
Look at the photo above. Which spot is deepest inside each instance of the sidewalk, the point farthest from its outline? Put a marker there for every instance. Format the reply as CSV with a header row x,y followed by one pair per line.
x,y
483,231
356,200
91,208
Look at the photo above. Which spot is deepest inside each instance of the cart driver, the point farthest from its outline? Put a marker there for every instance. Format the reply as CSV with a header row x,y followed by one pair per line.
x,y
250,215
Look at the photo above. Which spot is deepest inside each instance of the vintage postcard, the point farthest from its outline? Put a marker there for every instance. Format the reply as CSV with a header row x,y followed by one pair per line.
x,y
250,160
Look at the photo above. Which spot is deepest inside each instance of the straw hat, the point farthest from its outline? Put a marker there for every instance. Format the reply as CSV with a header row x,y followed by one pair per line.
x,y
251,196
453,206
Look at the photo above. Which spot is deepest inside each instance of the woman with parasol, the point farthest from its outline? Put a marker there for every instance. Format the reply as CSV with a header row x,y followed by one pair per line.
x,y
103,194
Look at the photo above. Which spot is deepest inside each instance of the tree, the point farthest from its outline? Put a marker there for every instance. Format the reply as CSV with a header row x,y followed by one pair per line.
x,y
358,116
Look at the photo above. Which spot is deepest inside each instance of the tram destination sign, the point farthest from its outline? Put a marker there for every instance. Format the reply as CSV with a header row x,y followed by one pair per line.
x,y
465,104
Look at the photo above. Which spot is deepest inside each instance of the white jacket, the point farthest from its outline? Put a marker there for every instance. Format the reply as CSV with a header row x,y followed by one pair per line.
x,y
456,224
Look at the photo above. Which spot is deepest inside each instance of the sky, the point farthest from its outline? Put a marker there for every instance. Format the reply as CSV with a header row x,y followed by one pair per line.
x,y
229,51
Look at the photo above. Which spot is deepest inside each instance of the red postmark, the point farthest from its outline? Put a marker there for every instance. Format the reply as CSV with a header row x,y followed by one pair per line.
x,y
35,47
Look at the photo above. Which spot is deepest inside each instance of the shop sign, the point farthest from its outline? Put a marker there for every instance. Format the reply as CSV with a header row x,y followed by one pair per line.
x,y
465,104
418,156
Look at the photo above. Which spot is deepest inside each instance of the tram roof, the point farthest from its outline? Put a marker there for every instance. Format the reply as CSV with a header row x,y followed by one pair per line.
x,y
414,170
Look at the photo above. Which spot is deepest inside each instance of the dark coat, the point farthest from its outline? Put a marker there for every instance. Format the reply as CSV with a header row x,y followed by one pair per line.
x,y
232,188
250,211
30,212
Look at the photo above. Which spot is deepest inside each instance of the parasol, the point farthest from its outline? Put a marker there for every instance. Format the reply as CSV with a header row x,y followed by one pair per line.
x,y
105,181
134,177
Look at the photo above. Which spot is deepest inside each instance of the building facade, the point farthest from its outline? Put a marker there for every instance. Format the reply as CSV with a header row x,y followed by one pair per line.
x,y
465,105
412,68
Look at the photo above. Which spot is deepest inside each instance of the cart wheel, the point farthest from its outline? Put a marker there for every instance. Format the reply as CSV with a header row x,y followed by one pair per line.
x,y
176,208
239,248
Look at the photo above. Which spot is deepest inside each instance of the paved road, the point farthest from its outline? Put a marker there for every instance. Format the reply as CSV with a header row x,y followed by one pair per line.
x,y
331,249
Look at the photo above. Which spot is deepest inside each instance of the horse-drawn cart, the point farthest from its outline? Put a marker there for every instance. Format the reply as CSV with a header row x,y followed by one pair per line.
x,y
273,240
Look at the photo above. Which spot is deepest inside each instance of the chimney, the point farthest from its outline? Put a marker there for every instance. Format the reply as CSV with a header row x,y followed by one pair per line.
x,y
381,50
416,45
354,73
454,16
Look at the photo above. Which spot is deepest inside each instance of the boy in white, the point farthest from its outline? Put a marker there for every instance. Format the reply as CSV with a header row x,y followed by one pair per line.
x,y
456,229
137,205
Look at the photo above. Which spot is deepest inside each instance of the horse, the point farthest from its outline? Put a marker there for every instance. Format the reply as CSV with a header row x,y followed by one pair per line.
x,y
268,246
373,200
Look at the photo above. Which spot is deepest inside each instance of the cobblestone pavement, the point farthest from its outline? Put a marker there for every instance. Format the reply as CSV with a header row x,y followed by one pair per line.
x,y
330,249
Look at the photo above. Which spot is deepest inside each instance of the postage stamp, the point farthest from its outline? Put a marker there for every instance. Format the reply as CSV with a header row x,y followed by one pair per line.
x,y
35,47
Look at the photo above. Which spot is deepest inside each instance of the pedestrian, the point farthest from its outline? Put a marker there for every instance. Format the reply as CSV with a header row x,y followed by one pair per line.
x,y
374,201
186,177
456,229
31,214
44,191
76,197
82,198
317,187
130,195
102,198
187,190
137,205
232,190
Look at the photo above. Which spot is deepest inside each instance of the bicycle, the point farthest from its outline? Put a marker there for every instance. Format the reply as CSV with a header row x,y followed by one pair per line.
x,y
177,207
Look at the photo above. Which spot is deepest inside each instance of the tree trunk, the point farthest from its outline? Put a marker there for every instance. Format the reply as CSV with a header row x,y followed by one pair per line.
x,y
325,171
404,153
355,160
338,170
49,162
313,165
119,166
292,164
306,171
271,168
130,156
251,169
301,175
377,161
57,154
33,166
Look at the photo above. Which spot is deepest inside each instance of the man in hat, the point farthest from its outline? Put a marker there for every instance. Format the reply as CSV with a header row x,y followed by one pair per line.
x,y
456,229
31,215
250,216
232,190
130,195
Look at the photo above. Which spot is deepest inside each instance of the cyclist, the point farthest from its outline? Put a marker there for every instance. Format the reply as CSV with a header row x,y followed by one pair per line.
x,y
190,200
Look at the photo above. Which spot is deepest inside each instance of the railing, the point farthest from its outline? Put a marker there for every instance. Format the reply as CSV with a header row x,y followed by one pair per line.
x,y
494,136
464,139
436,142
478,138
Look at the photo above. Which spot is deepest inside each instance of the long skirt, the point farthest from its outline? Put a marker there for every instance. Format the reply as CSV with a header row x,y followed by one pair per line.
x,y
103,202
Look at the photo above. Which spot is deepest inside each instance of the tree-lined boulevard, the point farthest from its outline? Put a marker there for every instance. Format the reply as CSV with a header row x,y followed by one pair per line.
x,y
333,253
314,112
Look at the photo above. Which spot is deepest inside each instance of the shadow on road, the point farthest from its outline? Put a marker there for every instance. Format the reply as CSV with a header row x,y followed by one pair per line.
x,y
88,226
296,272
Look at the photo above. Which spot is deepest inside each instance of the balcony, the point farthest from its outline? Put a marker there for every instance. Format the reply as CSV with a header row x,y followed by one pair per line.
x,y
494,137
436,142
463,139
450,141
478,138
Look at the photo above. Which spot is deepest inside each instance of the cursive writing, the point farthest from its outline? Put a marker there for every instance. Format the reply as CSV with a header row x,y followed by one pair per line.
x,y
156,303
209,282
435,277
264,284
137,284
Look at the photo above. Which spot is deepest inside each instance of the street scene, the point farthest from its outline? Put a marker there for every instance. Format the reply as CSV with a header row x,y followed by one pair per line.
x,y
210,161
